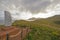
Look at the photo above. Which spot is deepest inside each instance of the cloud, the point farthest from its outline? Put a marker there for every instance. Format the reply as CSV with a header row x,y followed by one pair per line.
x,y
25,9
35,5
31,5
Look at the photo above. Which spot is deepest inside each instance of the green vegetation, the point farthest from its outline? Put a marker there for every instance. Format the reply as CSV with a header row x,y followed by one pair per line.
x,y
42,29
57,22
43,33
1,26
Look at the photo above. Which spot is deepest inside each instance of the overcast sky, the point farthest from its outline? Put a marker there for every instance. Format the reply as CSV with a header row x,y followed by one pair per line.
x,y
30,8
31,5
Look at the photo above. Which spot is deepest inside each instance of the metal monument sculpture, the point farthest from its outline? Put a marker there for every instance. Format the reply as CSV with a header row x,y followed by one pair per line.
x,y
8,18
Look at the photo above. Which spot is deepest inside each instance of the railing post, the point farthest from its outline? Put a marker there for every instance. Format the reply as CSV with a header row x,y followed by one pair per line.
x,y
21,34
7,36
0,38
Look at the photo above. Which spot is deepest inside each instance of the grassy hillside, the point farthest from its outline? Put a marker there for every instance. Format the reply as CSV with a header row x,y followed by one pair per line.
x,y
1,26
42,29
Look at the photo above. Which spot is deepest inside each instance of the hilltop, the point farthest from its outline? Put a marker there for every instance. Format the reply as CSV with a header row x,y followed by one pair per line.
x,y
42,29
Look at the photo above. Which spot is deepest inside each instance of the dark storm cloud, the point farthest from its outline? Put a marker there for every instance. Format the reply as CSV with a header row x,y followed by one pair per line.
x,y
31,5
35,5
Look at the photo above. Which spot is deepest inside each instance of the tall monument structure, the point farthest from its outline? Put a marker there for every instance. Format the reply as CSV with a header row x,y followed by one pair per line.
x,y
8,18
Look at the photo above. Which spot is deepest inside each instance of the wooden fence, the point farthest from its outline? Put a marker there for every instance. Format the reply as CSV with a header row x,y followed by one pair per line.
x,y
19,36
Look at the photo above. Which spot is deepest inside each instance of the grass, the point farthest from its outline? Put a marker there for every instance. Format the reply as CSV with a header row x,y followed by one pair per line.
x,y
41,29
43,33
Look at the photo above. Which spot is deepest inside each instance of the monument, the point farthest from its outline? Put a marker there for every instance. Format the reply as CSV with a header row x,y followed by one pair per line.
x,y
8,18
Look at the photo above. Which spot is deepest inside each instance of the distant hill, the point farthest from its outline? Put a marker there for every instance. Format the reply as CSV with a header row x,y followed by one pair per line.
x,y
56,17
42,29
35,19
52,20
